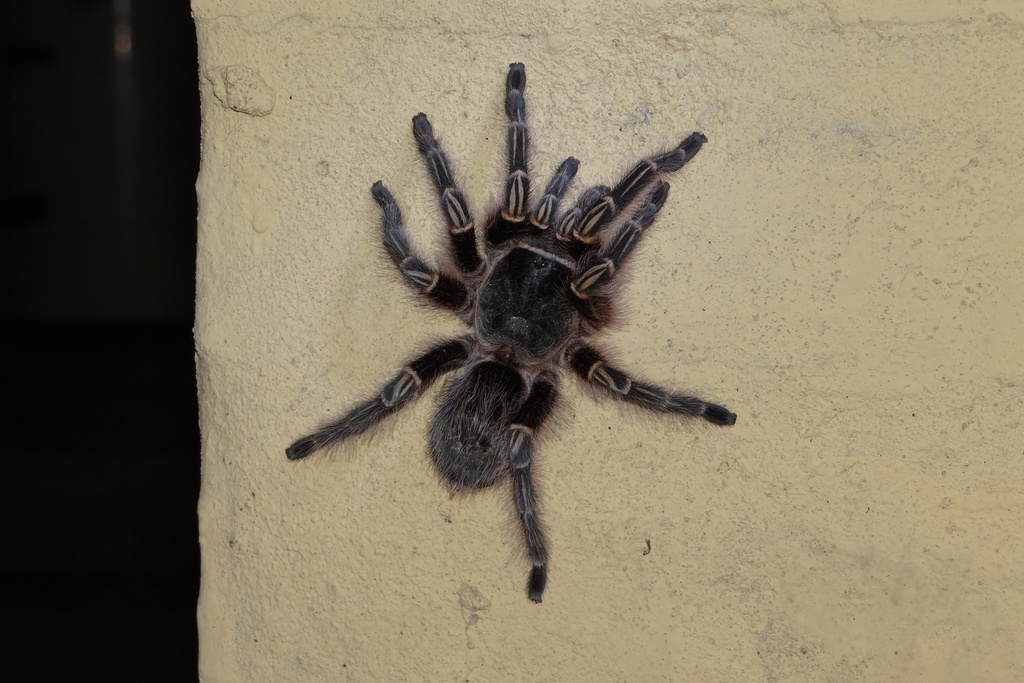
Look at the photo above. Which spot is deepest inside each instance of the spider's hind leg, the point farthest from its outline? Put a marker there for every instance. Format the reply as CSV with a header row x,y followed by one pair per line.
x,y
414,378
531,416
483,432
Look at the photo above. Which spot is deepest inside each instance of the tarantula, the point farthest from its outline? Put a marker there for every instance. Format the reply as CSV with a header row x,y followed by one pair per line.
x,y
544,283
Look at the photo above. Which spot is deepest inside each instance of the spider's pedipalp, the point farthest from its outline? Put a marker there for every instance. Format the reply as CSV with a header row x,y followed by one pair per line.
x,y
625,240
461,227
567,227
592,285
559,183
598,212
599,267
591,367
436,286
414,378
687,149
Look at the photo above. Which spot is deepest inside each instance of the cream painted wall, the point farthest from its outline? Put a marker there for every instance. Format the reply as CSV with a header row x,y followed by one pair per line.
x,y
841,266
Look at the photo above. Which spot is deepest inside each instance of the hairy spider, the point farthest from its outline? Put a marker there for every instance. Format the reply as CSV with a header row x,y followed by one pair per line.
x,y
543,285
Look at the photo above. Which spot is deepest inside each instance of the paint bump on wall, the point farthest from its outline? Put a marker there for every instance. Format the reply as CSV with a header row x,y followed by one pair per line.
x,y
242,89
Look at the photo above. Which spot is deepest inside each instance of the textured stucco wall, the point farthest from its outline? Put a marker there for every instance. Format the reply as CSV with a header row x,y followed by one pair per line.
x,y
841,266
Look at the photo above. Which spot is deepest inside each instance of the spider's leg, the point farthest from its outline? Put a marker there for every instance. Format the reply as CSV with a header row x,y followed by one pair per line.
x,y
396,394
511,220
436,286
453,205
600,212
591,367
517,185
534,411
598,267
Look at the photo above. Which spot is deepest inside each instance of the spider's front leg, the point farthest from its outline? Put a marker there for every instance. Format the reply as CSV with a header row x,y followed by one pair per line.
x,y
591,367
538,406
414,378
461,227
517,185
437,287
511,220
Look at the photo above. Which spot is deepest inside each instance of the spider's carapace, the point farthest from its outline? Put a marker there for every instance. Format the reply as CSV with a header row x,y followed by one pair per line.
x,y
525,307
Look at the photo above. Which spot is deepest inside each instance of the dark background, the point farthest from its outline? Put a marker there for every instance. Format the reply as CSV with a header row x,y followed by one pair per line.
x,y
99,471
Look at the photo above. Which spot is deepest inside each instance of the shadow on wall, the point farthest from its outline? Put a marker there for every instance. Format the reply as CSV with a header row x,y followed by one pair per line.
x,y
100,140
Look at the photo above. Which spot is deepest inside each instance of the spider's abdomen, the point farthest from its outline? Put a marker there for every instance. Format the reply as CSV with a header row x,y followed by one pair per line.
x,y
523,303
470,439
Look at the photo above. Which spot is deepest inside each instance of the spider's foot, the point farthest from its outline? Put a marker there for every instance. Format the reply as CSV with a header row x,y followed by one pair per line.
x,y
300,449
381,194
692,144
516,79
718,415
538,579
